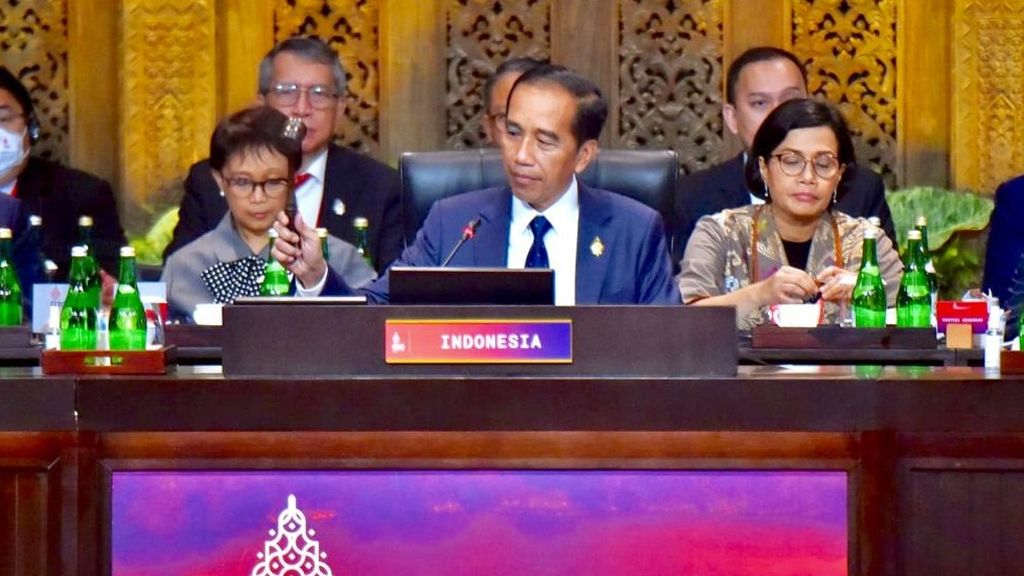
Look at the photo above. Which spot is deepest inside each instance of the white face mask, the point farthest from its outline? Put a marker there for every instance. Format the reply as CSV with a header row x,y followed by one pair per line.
x,y
12,150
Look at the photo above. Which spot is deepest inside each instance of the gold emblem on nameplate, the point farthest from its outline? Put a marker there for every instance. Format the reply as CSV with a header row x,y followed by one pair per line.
x,y
597,247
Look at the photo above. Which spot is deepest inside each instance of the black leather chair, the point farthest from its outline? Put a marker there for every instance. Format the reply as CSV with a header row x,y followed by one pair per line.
x,y
646,175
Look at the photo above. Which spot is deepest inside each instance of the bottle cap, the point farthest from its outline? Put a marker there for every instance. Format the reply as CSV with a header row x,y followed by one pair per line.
x,y
273,234
321,233
870,232
78,252
34,220
85,220
127,252
913,234
921,221
5,233
360,222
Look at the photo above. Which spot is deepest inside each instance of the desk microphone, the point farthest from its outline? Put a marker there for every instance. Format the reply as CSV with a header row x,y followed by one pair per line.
x,y
467,234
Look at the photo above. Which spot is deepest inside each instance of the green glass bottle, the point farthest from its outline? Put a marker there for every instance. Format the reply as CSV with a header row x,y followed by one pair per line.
x,y
127,323
321,233
275,277
914,300
10,288
94,283
78,316
362,226
868,293
929,266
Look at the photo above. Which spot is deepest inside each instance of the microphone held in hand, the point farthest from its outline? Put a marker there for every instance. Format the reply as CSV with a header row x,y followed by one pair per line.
x,y
467,234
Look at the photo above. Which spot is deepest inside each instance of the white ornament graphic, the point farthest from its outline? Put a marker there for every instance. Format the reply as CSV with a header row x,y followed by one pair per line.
x,y
291,550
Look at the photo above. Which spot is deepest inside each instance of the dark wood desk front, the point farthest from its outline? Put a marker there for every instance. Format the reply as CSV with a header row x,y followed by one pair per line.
x,y
935,456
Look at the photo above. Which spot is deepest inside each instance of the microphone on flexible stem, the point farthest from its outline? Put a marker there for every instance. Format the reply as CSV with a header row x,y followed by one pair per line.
x,y
467,234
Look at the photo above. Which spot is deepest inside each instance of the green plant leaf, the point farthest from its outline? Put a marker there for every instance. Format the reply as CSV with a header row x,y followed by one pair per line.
x,y
948,212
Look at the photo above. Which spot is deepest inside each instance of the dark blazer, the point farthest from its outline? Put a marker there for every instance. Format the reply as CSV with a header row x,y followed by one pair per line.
x,y
1005,251
723,186
364,186
633,268
60,195
25,250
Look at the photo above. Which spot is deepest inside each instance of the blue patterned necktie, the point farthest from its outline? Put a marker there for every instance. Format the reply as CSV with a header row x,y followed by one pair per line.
x,y
538,256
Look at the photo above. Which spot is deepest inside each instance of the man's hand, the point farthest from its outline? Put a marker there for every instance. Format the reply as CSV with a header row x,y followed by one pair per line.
x,y
299,252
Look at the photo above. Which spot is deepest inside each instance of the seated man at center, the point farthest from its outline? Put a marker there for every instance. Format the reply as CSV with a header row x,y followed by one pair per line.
x,y
604,248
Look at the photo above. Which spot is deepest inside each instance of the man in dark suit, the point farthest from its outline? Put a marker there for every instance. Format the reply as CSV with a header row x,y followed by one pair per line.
x,y
59,195
303,78
757,81
1004,255
603,247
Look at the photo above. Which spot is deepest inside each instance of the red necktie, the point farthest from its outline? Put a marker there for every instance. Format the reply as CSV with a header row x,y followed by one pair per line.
x,y
301,179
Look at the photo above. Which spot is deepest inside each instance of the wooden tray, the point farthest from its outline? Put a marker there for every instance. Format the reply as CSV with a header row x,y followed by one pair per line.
x,y
108,361
835,337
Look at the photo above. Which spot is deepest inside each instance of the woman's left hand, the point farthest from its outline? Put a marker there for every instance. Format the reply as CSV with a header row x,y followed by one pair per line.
x,y
836,283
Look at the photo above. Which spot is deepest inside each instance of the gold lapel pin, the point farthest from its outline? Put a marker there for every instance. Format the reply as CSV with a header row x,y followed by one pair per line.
x,y
339,207
597,247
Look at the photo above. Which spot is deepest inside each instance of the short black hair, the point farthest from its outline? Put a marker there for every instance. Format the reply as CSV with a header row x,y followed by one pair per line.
x,y
10,82
510,66
311,49
792,115
591,107
257,129
757,54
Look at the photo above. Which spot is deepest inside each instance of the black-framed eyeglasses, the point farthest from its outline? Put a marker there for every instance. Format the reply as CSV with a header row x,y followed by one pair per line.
x,y
243,187
287,94
825,165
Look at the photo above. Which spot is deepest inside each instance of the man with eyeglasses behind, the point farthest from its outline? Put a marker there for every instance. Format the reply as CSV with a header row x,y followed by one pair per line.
x,y
56,193
303,78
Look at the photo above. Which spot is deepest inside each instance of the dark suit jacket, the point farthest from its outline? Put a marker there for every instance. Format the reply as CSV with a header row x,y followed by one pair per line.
x,y
366,187
60,195
1005,251
26,248
723,186
634,267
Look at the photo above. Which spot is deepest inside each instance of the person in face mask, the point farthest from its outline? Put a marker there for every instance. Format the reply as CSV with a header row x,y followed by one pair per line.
x,y
56,193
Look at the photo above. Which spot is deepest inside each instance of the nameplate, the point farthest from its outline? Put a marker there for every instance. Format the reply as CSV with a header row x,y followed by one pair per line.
x,y
499,341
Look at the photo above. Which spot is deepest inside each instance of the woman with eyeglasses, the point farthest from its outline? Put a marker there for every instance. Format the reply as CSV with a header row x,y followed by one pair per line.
x,y
254,156
794,248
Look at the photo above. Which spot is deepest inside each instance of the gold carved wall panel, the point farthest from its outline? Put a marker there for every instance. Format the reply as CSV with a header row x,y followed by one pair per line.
x,y
988,92
850,53
481,35
34,44
352,28
168,71
670,78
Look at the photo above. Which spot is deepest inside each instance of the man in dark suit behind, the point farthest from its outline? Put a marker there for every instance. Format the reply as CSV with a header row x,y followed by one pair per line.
x,y
604,248
56,193
303,78
757,81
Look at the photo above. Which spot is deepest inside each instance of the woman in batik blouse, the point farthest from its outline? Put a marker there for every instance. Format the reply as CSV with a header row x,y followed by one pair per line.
x,y
795,247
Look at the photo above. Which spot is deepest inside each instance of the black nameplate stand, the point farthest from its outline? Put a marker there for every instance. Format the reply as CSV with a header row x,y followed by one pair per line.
x,y
340,340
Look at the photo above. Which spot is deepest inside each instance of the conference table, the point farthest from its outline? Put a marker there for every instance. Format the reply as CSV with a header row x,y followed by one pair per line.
x,y
931,456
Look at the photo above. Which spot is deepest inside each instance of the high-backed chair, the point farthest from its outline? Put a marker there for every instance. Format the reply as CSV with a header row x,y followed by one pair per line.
x,y
646,175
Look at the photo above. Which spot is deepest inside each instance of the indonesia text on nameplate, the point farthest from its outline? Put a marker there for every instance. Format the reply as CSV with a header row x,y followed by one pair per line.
x,y
478,341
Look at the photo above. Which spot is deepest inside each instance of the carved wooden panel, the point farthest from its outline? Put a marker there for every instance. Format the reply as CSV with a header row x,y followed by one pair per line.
x,y
670,78
351,28
988,93
481,35
168,97
34,44
850,53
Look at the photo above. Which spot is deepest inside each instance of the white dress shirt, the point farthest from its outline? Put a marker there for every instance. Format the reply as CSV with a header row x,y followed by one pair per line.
x,y
560,241
309,196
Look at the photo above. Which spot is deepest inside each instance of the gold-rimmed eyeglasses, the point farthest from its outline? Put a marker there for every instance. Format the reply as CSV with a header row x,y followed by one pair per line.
x,y
287,94
825,165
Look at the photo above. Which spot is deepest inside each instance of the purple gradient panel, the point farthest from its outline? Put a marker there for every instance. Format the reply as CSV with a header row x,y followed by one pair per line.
x,y
382,523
